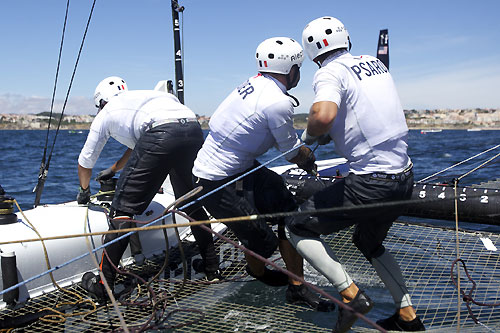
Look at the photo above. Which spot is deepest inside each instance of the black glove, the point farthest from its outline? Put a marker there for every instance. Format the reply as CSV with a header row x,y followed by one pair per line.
x,y
83,196
105,174
308,139
324,139
308,164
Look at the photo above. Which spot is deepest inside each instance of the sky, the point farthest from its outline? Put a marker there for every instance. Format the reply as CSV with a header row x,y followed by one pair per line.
x,y
443,54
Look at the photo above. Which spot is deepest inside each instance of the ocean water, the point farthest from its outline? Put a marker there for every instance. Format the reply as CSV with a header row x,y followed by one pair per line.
x,y
21,152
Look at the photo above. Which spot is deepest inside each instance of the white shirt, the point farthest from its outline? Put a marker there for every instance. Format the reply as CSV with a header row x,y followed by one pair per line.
x,y
370,129
126,117
253,118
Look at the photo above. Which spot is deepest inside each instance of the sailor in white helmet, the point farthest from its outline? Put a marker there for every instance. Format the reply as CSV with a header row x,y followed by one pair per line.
x,y
256,116
163,137
357,106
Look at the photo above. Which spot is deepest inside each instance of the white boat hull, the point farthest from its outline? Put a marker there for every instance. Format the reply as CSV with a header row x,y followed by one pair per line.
x,y
69,219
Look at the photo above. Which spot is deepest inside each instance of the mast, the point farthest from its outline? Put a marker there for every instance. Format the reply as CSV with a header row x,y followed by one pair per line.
x,y
383,47
179,76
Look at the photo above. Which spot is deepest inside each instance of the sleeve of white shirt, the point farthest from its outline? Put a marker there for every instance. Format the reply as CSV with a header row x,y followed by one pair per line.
x,y
280,123
97,138
327,85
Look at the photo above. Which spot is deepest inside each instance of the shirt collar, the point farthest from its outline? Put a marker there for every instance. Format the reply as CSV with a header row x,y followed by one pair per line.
x,y
280,85
333,56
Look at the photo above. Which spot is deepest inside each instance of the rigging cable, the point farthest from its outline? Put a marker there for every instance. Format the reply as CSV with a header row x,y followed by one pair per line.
x,y
457,164
42,174
44,168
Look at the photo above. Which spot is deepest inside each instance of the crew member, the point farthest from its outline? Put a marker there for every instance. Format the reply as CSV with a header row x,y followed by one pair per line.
x,y
356,104
163,137
256,116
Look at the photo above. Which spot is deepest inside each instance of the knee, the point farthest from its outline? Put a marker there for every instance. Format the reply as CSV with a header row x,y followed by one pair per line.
x,y
120,220
368,248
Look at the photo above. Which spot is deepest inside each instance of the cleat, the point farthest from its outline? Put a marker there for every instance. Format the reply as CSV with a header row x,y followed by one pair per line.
x,y
361,304
92,284
304,296
270,277
396,323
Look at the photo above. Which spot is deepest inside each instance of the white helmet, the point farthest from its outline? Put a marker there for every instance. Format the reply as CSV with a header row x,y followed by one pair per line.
x,y
324,34
109,87
278,55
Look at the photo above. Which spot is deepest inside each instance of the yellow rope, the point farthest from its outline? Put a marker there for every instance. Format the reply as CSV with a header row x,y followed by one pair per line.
x,y
154,227
62,316
103,279
227,220
457,244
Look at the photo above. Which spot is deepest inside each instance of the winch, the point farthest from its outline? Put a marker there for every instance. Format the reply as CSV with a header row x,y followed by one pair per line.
x,y
7,215
107,185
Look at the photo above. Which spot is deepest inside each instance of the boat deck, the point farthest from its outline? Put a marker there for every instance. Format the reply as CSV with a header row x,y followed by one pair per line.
x,y
242,304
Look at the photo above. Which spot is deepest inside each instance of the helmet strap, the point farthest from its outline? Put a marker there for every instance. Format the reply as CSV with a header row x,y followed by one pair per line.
x,y
291,80
102,104
297,103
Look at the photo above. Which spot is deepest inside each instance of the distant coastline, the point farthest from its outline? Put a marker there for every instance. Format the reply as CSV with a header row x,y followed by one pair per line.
x,y
472,119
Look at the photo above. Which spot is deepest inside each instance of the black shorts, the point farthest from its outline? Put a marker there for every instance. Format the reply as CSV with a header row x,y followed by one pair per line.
x,y
372,224
165,149
261,192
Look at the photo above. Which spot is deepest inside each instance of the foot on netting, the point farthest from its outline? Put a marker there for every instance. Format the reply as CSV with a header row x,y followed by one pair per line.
x,y
139,259
270,277
361,304
92,284
210,276
396,323
302,295
214,276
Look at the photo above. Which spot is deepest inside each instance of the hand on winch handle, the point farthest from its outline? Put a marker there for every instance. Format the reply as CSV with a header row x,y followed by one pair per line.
x,y
322,139
105,174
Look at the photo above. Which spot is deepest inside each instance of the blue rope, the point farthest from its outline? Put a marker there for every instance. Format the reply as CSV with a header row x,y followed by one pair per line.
x,y
150,223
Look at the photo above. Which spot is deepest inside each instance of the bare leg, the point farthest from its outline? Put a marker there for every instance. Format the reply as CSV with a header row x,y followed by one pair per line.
x,y
293,261
407,313
349,293
256,266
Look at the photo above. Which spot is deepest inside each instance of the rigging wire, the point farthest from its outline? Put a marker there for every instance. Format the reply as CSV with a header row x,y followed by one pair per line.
x,y
457,164
42,174
44,168
148,224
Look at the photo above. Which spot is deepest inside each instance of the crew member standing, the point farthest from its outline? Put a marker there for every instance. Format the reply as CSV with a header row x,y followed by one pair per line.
x,y
356,104
163,137
256,116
